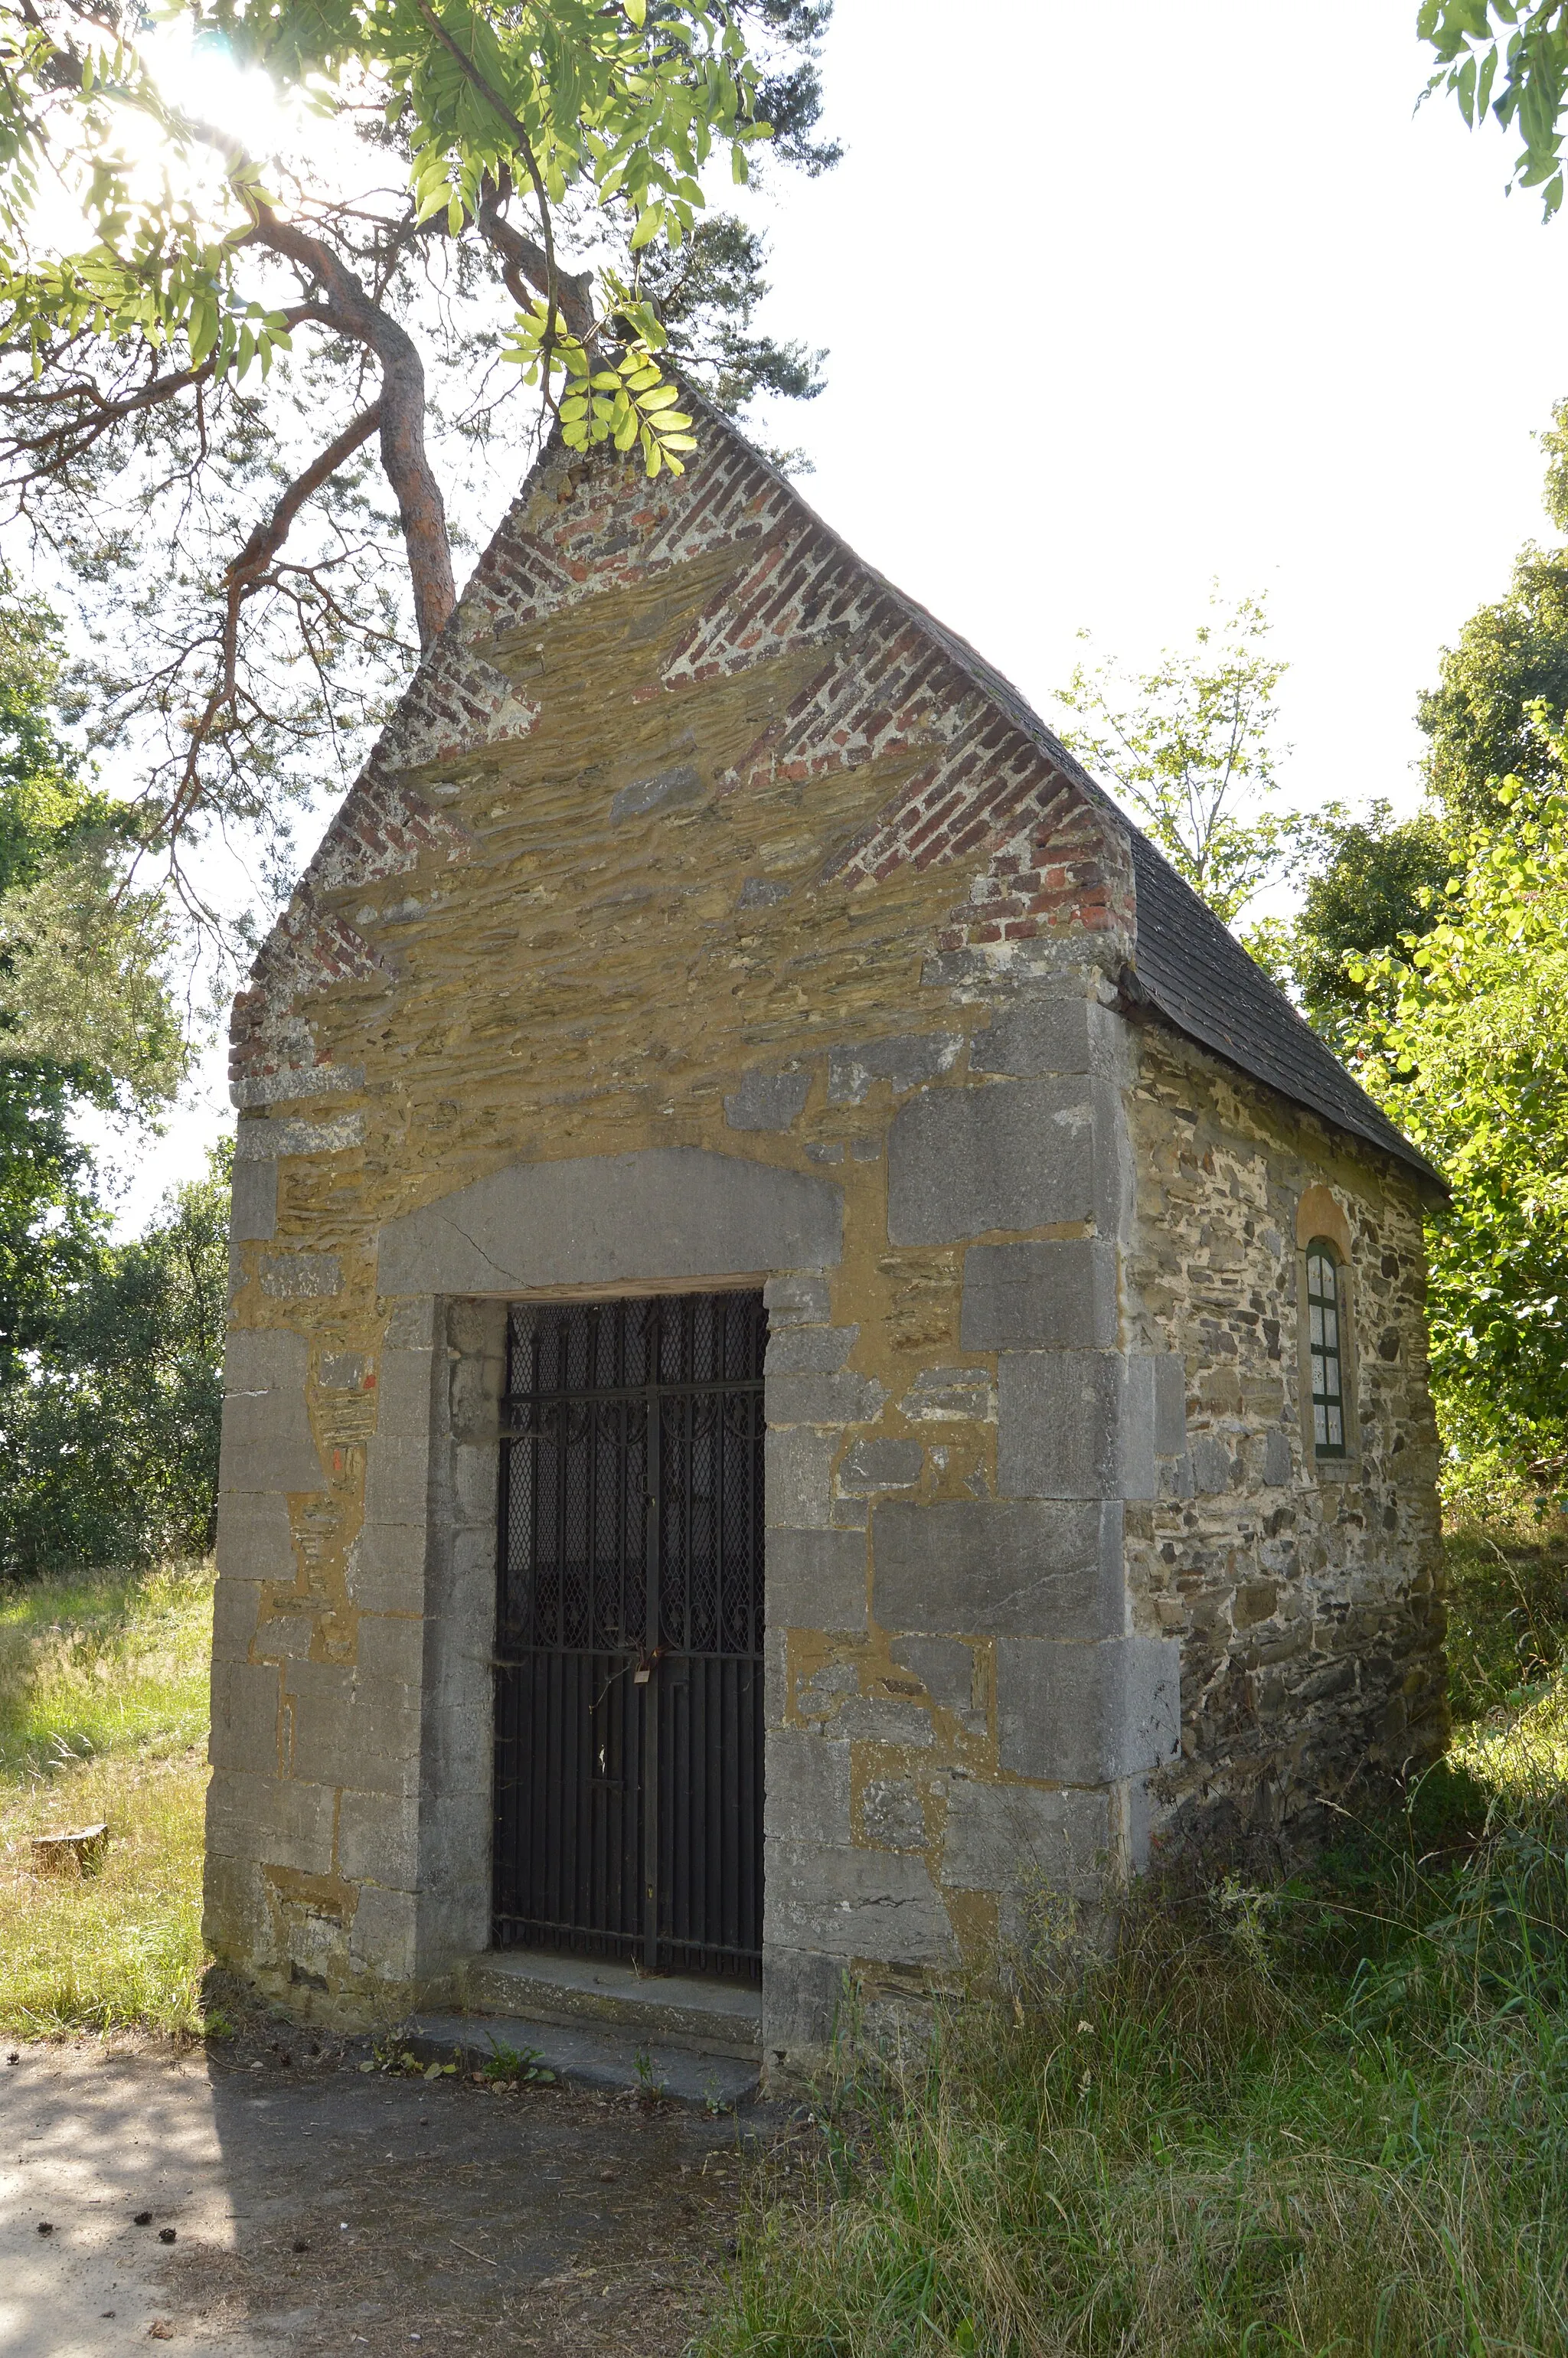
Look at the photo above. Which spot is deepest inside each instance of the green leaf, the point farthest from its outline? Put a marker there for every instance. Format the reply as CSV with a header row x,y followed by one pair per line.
x,y
649,224
638,12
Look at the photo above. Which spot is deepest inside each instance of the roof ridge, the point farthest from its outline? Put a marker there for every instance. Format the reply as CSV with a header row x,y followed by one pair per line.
x,y
1187,964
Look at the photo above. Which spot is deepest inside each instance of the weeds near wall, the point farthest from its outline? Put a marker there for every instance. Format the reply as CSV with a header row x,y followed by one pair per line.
x,y
1330,2117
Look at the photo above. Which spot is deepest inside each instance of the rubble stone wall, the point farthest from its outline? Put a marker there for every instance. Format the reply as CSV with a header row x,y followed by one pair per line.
x,y
1304,1592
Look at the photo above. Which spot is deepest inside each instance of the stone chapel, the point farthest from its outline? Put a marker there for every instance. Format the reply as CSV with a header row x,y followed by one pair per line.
x,y
817,1357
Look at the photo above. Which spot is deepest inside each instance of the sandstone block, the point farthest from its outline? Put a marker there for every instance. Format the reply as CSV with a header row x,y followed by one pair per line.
x,y
254,1537
1076,1714
1076,1424
1214,1463
236,1611
256,1140
879,1719
804,1994
809,1350
842,1399
389,1646
1000,1837
945,1667
383,1937
235,1922
378,1838
297,1081
854,1903
798,1299
987,1567
402,1396
252,1204
1012,1155
884,1463
816,1579
277,1821
268,1442
397,1480
1058,1295
892,1815
244,1717
908,1062
349,1735
797,1479
807,1786
670,1212
1047,1032
1170,1404
301,1276
386,1568
768,1101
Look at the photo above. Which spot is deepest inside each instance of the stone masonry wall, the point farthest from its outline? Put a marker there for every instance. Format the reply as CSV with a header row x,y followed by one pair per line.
x,y
1305,1593
706,914
684,874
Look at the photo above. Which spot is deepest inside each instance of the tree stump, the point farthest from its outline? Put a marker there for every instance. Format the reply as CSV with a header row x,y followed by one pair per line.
x,y
78,1851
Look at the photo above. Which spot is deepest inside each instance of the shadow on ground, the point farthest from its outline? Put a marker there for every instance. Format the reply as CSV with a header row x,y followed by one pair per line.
x,y
316,2209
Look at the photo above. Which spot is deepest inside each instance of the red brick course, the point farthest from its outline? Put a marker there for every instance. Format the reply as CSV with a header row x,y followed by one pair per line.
x,y
1049,854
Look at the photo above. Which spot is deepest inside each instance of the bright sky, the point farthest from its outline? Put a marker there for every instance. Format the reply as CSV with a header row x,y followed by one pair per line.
x,y
1203,301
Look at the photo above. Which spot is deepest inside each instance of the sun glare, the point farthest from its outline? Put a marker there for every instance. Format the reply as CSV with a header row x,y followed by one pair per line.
x,y
195,70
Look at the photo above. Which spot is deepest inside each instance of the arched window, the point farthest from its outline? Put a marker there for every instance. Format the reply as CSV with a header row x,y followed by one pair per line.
x,y
1326,1310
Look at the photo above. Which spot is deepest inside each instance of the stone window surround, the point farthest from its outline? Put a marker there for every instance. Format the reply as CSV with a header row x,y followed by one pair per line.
x,y
1321,1215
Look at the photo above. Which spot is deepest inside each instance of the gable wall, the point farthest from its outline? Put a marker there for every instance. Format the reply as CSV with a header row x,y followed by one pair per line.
x,y
686,845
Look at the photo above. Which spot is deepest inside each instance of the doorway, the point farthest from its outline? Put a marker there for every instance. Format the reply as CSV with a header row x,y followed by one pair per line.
x,y
629,1655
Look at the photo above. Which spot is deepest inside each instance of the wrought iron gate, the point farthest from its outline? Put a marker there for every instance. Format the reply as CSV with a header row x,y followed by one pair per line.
x,y
629,1690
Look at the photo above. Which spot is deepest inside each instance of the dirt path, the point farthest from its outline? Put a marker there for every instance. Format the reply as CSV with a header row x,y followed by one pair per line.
x,y
319,2211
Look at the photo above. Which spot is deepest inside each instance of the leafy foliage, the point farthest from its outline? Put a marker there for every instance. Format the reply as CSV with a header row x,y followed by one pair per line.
x,y
1511,660
276,344
84,1013
1466,1045
1189,748
1370,887
109,1429
1513,59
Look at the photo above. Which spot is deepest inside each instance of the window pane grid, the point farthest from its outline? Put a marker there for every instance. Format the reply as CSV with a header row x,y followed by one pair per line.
x,y
1326,1365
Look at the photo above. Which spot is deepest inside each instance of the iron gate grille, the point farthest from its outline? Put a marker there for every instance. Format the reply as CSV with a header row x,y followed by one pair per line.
x,y
629,1703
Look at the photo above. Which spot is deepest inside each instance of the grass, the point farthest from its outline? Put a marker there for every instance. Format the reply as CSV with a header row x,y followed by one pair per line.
x,y
104,1718
1330,2118
1326,2120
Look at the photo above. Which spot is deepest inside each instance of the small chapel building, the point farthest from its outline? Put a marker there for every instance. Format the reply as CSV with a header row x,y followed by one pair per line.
x,y
819,1360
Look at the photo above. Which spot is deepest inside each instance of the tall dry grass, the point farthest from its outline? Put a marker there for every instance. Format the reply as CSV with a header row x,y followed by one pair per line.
x,y
103,1694
1329,2120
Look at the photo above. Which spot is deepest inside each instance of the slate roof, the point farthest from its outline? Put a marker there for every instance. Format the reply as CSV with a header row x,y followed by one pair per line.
x,y
1187,966
1196,973
1190,969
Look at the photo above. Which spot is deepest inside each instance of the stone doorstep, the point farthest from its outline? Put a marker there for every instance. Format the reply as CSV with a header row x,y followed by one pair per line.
x,y
587,2056
707,2017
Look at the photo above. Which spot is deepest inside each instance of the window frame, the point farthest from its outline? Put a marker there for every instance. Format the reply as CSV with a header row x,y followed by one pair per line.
x,y
1332,1357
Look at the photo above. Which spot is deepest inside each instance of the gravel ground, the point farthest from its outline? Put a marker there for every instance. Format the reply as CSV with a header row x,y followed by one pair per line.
x,y
300,2206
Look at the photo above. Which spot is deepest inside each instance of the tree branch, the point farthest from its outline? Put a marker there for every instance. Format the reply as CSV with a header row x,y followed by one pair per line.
x,y
525,264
